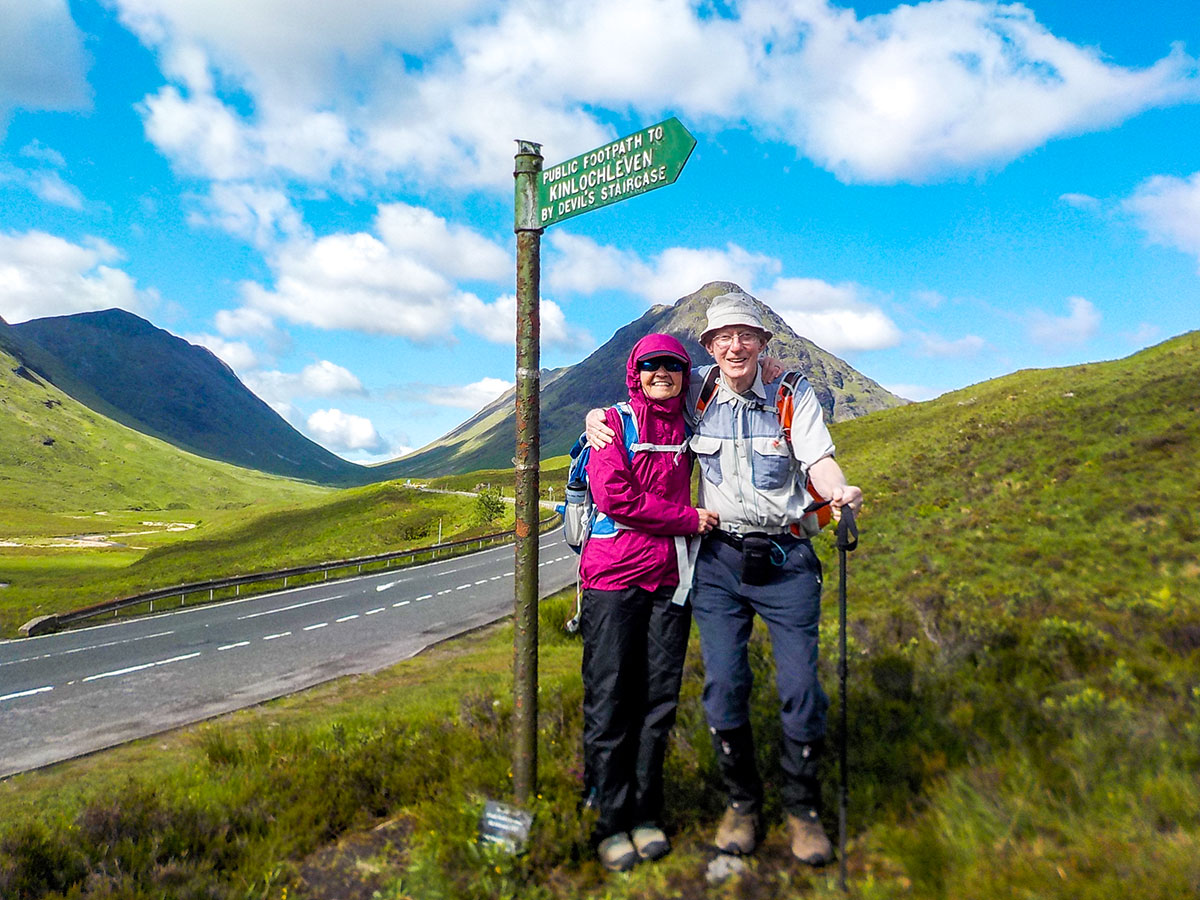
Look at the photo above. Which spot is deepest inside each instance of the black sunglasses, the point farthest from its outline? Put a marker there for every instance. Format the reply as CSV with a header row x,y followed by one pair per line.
x,y
654,363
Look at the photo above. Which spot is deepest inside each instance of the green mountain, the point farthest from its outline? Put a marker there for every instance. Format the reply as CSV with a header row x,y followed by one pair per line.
x,y
486,439
126,369
59,458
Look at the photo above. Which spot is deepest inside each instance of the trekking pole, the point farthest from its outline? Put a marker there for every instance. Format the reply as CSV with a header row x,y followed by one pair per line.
x,y
847,540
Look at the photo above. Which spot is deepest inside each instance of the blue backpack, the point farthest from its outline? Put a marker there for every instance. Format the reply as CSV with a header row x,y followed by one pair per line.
x,y
581,519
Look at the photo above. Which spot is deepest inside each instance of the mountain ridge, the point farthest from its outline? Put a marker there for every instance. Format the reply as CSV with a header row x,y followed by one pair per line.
x,y
139,375
567,393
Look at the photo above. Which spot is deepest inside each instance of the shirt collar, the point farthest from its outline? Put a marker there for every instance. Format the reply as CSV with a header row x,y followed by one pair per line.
x,y
757,389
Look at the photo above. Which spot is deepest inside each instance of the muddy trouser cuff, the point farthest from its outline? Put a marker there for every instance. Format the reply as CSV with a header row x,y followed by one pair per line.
x,y
801,765
739,771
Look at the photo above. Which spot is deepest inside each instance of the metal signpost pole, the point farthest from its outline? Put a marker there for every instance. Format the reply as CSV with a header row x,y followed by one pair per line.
x,y
627,167
525,631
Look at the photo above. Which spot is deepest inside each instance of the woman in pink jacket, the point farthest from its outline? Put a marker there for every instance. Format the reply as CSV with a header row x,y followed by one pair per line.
x,y
635,624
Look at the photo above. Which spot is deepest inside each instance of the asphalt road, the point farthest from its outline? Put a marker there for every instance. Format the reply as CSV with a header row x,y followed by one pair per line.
x,y
64,695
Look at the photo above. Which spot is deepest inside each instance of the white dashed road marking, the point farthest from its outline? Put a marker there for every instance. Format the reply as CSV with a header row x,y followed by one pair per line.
x,y
40,690
127,671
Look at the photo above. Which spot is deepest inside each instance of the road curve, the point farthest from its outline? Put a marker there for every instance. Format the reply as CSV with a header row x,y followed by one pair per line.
x,y
68,694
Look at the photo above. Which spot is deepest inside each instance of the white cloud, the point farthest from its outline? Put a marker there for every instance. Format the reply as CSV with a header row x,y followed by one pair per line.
x,y
326,379
834,317
581,265
36,150
1078,326
356,282
337,430
943,86
1081,201
320,379
497,322
453,250
1145,335
244,322
43,275
936,345
264,216
46,184
915,94
469,396
1168,209
238,355
50,187
917,392
44,64
399,280
291,51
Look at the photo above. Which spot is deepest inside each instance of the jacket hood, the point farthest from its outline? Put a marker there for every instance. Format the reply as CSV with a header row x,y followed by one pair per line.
x,y
656,345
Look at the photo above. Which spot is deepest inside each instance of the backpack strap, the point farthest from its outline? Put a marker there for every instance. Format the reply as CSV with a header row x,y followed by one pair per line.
x,y
818,515
707,391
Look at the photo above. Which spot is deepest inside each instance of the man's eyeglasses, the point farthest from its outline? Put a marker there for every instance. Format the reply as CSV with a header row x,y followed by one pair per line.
x,y
654,363
748,338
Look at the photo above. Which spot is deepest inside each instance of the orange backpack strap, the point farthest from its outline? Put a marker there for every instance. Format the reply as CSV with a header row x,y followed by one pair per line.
x,y
707,390
785,398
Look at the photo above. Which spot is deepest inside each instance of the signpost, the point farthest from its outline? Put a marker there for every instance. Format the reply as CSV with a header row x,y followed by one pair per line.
x,y
643,161
640,162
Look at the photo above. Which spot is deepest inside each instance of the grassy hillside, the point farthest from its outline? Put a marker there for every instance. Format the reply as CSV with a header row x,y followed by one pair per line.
x,y
66,471
1024,701
59,460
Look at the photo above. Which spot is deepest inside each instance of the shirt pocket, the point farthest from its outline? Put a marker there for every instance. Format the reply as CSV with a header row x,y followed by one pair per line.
x,y
708,453
772,468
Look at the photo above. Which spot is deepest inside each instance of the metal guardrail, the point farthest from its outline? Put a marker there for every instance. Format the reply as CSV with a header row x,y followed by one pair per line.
x,y
56,621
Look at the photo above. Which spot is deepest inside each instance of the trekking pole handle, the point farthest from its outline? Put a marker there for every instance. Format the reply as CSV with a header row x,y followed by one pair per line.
x,y
847,530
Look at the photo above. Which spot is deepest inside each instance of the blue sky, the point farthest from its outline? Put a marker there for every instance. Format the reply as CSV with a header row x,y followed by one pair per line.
x,y
322,193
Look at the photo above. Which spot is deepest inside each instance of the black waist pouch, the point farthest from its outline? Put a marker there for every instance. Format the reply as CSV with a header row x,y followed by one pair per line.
x,y
757,567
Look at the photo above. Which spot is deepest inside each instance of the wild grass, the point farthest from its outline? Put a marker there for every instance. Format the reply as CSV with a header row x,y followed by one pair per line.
x,y
1023,703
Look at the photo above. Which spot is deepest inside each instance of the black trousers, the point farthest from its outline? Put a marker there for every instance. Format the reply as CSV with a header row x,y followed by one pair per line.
x,y
634,644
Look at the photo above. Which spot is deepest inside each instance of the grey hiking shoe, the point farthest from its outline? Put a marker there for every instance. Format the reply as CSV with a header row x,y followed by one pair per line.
x,y
650,842
810,844
617,853
737,833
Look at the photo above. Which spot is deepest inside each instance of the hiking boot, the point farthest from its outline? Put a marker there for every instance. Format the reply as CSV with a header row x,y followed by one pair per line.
x,y
737,833
650,842
617,853
810,844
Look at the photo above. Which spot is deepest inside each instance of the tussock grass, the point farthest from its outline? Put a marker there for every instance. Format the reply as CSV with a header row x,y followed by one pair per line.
x,y
1024,699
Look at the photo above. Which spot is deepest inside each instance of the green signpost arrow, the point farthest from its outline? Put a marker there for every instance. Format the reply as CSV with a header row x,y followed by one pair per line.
x,y
640,162
632,165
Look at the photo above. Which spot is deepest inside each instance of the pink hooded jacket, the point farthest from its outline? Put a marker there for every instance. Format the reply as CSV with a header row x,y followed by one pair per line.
x,y
651,493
